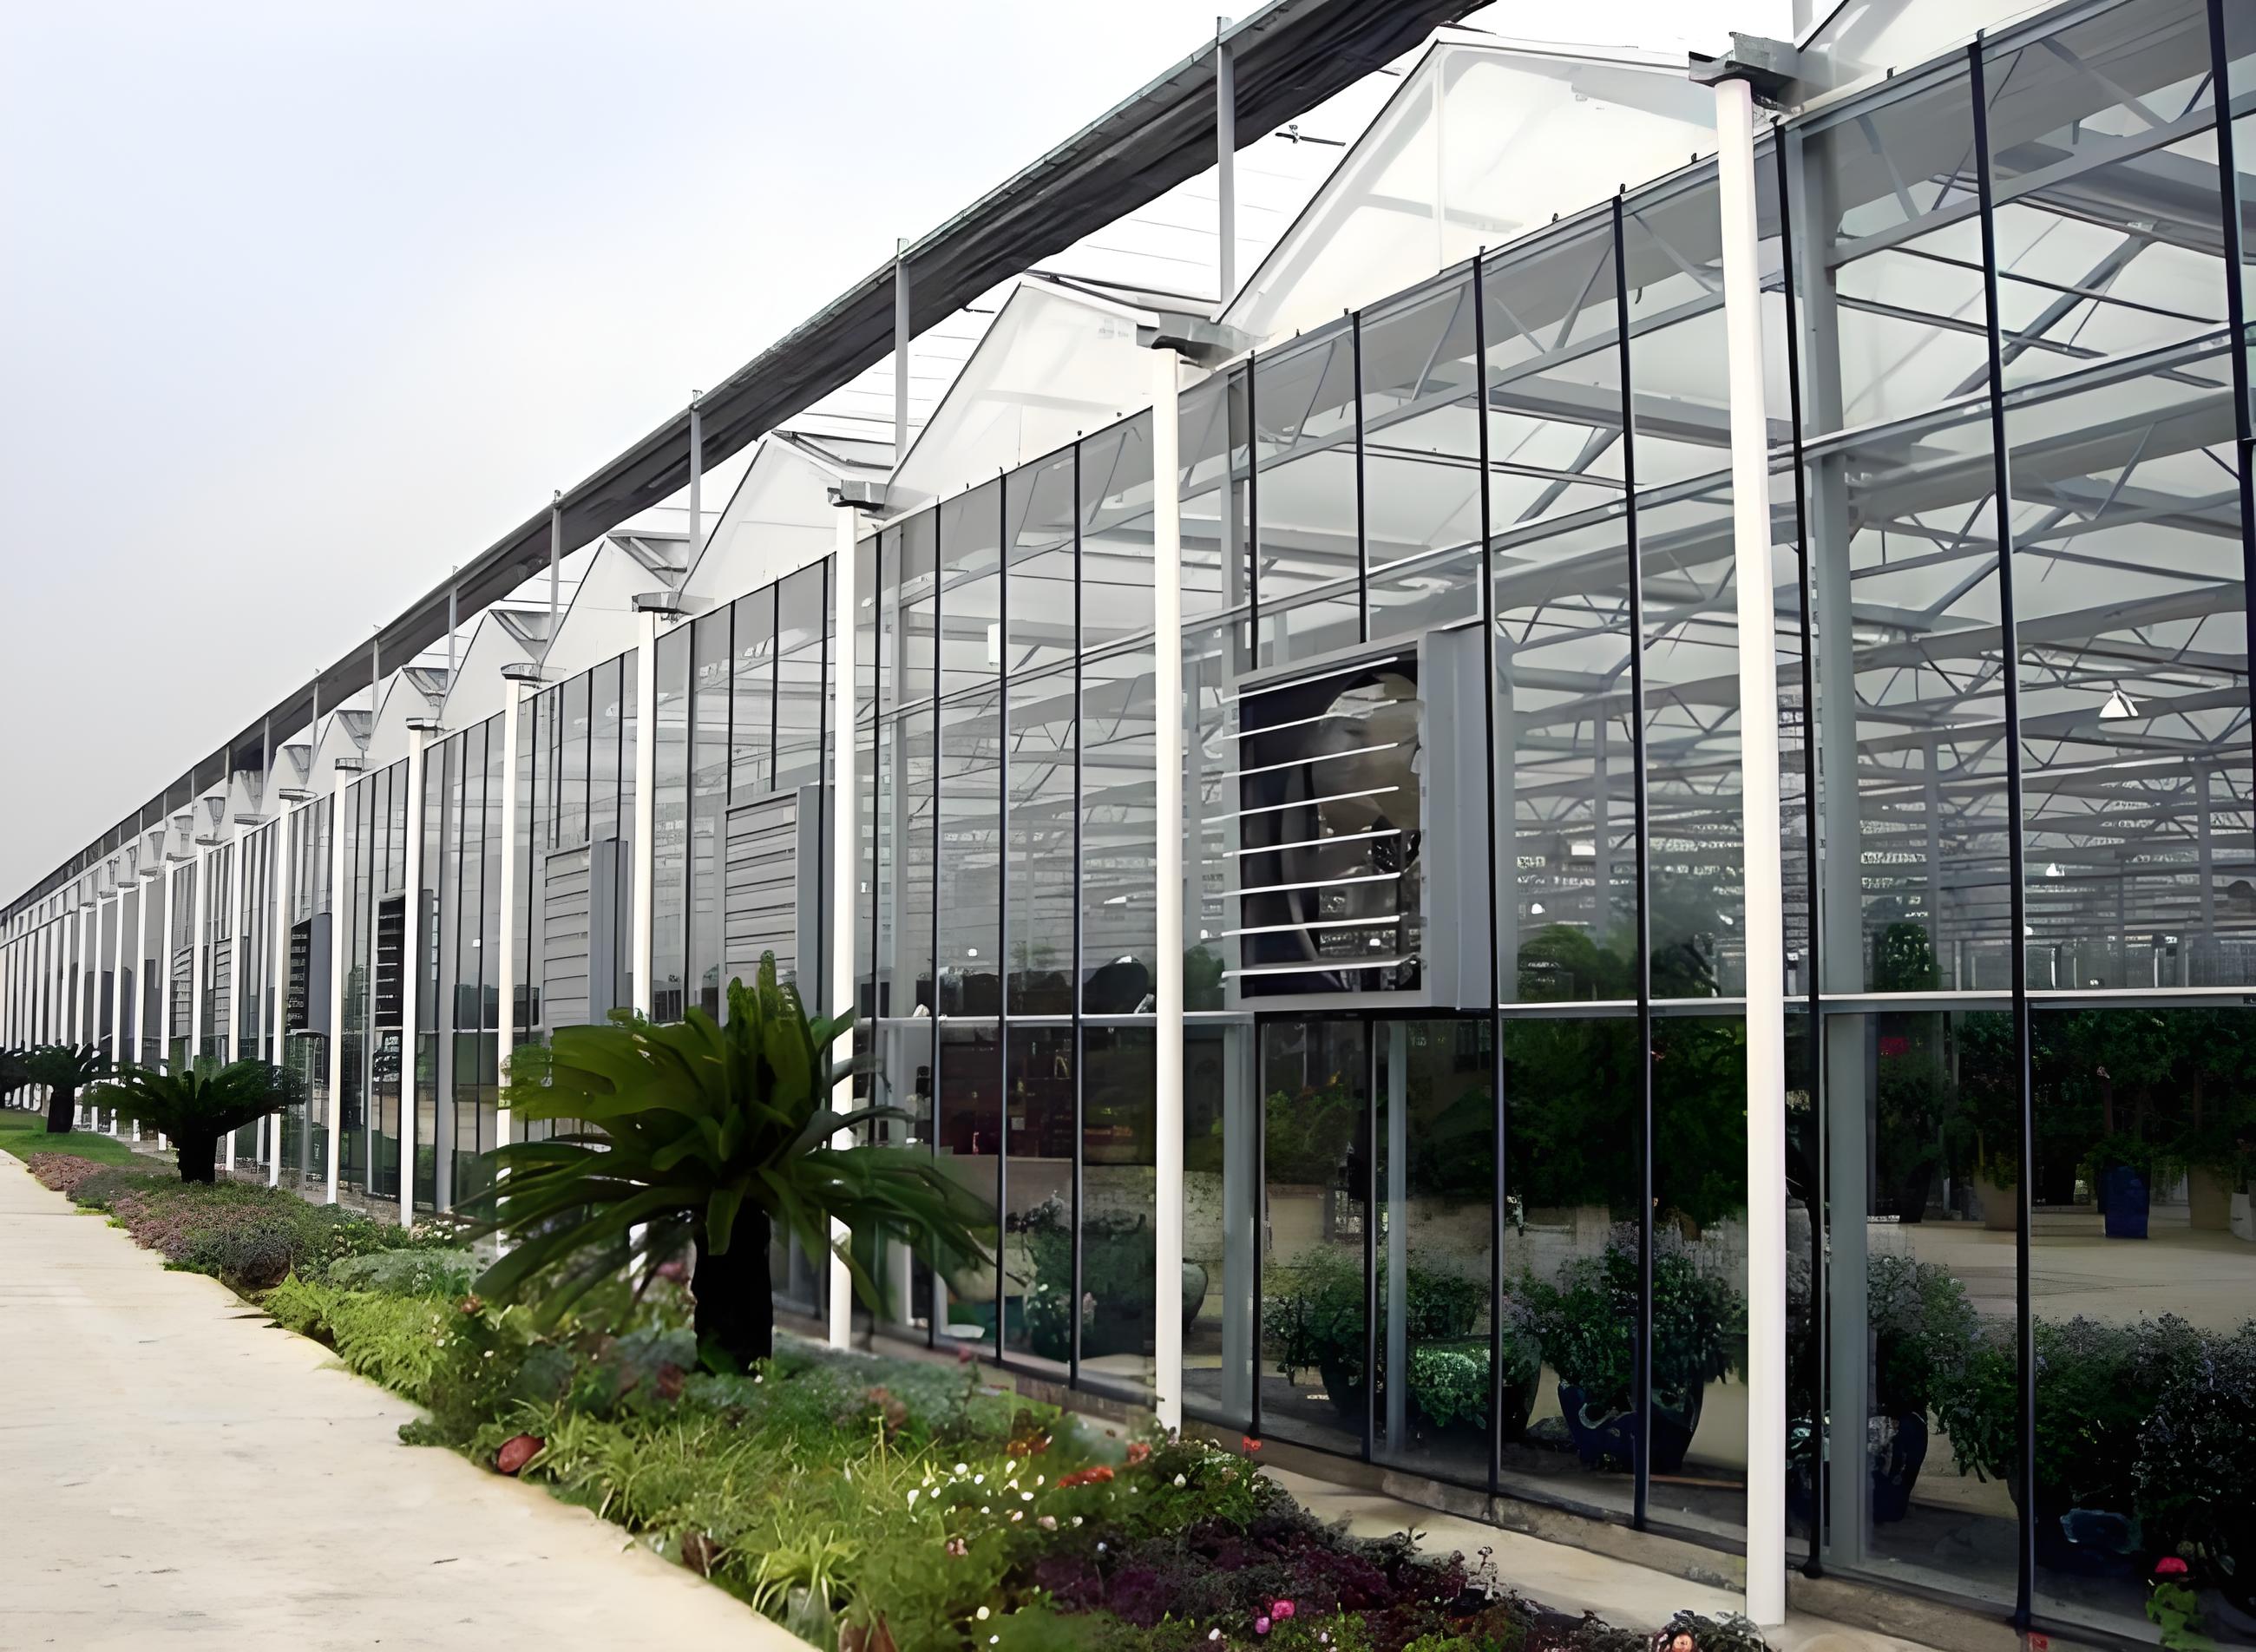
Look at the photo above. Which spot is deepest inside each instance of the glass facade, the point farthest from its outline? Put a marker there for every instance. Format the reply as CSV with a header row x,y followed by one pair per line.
x,y
1465,1181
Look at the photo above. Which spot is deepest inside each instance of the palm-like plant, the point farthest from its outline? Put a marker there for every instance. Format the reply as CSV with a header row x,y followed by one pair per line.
x,y
198,1103
706,1137
65,1069
14,1074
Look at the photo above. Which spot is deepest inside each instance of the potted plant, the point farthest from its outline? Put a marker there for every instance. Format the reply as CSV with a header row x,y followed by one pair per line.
x,y
1587,1320
1313,1320
1449,1379
1921,1326
1118,1297
2122,1169
2098,1386
2196,1460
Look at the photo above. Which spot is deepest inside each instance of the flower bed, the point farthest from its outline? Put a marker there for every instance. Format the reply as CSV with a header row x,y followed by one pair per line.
x,y
869,1505
251,1238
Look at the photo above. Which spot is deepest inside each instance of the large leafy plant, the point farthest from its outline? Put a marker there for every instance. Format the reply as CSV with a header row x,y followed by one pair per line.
x,y
65,1069
198,1103
1587,1320
706,1136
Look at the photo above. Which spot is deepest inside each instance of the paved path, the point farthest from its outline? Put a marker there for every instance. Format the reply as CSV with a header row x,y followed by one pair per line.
x,y
176,1470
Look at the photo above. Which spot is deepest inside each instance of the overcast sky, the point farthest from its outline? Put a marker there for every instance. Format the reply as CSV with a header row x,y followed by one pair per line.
x,y
301,305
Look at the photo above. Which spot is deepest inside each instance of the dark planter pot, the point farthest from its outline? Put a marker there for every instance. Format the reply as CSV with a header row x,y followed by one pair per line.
x,y
1911,1195
1894,1476
1613,1437
1345,1393
2124,1197
1897,1470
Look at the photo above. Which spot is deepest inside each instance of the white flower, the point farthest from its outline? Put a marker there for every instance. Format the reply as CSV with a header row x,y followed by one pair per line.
x,y
981,1614
964,1468
1179,1480
913,1494
1076,1520
1026,1497
977,1480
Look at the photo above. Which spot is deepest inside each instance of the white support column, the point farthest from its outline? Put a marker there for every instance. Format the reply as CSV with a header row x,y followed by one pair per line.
x,y
239,864
1766,921
163,887
1167,764
645,808
278,992
340,801
117,1000
199,924
411,969
504,943
845,863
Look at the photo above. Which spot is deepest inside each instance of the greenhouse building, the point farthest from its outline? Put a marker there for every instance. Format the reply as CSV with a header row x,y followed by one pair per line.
x,y
1302,666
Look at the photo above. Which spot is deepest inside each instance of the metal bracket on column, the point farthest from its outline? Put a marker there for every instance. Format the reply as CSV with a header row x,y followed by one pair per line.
x,y
1770,68
1198,340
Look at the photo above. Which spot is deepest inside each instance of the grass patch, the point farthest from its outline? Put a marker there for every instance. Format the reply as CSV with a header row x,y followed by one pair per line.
x,y
24,1132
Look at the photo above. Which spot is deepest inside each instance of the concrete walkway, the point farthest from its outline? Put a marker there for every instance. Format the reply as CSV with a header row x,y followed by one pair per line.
x,y
176,1470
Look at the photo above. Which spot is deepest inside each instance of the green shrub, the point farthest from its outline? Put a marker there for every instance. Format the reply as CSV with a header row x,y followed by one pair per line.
x,y
1587,1320
406,1273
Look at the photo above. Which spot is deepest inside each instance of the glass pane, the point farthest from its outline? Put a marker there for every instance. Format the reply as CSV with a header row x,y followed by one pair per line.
x,y
1316,1164
751,729
1116,1241
1432,1248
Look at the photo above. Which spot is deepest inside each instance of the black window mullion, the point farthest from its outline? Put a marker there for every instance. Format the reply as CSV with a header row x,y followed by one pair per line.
x,y
2009,648
1816,1192
1362,536
1073,1316
1497,894
1641,1495
1002,890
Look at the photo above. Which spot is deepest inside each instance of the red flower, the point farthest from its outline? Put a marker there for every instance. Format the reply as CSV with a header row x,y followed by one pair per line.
x,y
1137,1451
1249,1443
1282,1609
1086,1477
2169,1566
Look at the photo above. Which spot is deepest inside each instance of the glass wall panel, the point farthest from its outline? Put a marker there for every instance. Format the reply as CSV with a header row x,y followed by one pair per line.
x,y
803,706
708,798
1432,1247
1116,532
1305,517
1222,1203
1211,491
1119,1195
1317,1163
1038,1213
1043,743
1118,849
1572,1167
2144,1300
1893,290
971,861
1700,1274
969,1140
1212,664
2132,627
971,588
1043,551
670,824
752,717
1922,1139
609,758
1565,809
1903,523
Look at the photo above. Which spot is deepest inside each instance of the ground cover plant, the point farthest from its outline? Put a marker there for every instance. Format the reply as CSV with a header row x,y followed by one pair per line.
x,y
25,1131
248,1237
869,1505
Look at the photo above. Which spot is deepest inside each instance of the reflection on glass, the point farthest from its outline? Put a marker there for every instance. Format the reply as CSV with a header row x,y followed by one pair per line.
x,y
1316,1166
1435,1206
